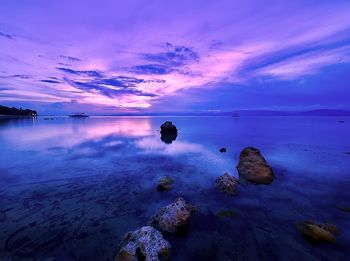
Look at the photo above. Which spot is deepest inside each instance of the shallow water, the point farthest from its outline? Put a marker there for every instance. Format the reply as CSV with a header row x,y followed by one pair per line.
x,y
71,188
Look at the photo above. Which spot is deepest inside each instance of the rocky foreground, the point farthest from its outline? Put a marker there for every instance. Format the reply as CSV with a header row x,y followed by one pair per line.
x,y
253,167
147,243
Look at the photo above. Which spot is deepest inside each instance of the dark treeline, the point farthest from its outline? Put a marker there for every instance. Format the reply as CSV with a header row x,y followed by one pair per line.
x,y
14,111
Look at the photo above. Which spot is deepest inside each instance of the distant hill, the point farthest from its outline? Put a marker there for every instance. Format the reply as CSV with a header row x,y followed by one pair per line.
x,y
16,112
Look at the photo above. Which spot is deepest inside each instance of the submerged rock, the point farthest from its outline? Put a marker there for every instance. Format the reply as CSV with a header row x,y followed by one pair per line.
x,y
173,218
145,243
226,213
165,184
222,150
227,184
318,233
253,167
167,128
343,208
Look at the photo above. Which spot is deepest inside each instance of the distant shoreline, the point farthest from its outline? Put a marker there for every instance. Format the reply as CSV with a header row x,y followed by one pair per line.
x,y
16,116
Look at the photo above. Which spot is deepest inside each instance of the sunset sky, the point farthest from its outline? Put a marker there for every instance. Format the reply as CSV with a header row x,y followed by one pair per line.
x,y
106,57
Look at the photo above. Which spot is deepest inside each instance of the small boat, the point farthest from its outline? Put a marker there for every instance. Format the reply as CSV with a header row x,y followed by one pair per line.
x,y
78,115
235,115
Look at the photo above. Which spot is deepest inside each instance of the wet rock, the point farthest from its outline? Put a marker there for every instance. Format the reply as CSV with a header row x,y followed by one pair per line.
x,y
165,184
173,218
253,167
227,184
222,150
168,127
318,233
145,243
168,138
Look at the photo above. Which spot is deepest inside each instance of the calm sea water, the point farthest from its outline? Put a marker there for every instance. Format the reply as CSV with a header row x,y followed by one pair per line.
x,y
71,188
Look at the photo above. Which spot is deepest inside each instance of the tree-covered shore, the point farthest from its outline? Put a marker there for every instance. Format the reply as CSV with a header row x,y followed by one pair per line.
x,y
7,111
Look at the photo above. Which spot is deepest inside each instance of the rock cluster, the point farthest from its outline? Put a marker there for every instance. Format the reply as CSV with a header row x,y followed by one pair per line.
x,y
227,184
318,233
253,167
173,218
145,243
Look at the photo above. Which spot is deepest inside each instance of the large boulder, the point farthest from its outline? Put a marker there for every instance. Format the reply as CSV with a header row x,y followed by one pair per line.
x,y
173,218
253,167
227,184
145,243
318,233
168,128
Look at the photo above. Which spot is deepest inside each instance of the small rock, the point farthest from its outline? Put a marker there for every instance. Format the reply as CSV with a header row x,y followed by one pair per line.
x,y
343,208
341,121
165,184
222,150
347,153
146,244
227,184
253,167
168,127
318,233
225,213
173,218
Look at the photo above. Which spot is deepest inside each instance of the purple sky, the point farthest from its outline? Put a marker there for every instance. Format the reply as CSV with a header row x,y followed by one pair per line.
x,y
174,56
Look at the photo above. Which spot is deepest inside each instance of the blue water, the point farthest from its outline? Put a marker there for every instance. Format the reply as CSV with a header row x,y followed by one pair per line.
x,y
71,188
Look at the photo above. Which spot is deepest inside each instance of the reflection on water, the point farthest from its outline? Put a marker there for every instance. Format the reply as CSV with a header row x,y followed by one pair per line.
x,y
71,188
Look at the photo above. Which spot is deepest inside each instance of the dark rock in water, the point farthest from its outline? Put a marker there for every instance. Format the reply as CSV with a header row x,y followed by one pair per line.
x,y
341,121
173,218
227,184
343,208
168,132
253,167
226,213
168,127
318,233
165,184
168,138
222,150
347,153
145,243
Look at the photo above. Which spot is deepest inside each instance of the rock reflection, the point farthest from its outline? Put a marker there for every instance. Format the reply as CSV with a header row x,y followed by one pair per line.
x,y
168,138
67,133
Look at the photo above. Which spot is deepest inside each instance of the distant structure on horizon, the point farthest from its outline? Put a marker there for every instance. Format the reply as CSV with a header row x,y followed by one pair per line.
x,y
235,115
78,115
7,112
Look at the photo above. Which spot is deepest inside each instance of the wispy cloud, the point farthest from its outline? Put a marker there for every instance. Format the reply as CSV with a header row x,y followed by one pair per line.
x,y
133,63
7,35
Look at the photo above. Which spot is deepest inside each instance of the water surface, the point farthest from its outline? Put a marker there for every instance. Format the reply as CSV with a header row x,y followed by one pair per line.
x,y
71,188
